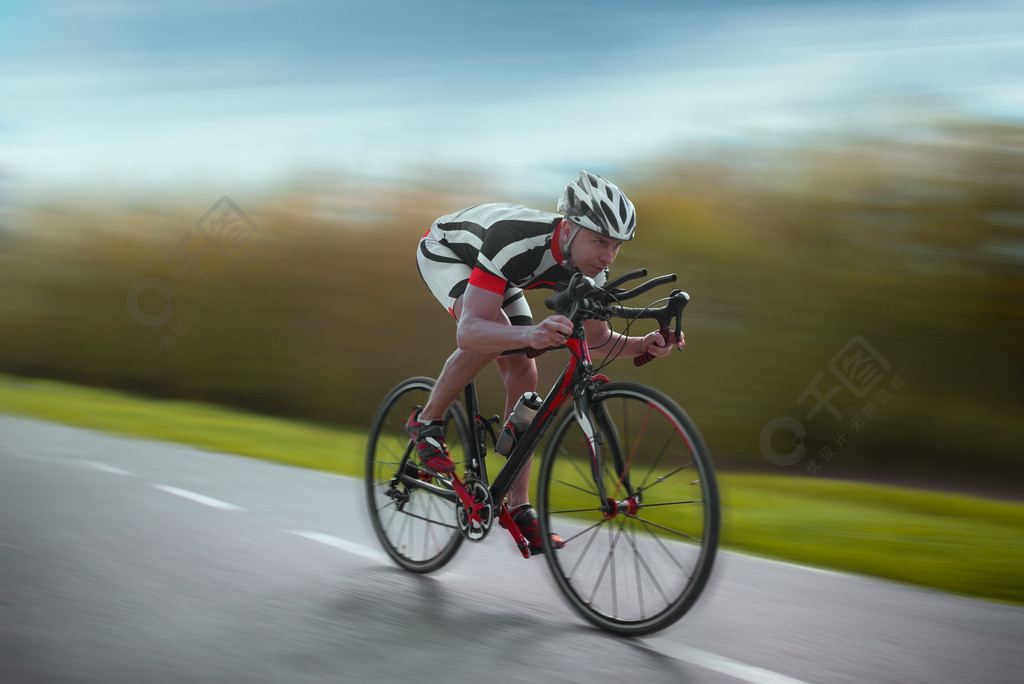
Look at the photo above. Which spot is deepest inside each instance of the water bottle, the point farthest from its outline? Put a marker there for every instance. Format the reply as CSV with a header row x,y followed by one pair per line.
x,y
520,419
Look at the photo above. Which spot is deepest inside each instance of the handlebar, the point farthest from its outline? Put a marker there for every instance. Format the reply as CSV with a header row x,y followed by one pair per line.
x,y
583,300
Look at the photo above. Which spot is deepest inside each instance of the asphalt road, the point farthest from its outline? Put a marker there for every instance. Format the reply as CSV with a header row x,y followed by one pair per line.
x,y
124,560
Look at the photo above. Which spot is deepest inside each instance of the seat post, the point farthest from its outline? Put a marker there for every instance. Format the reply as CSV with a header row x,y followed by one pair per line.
x,y
477,460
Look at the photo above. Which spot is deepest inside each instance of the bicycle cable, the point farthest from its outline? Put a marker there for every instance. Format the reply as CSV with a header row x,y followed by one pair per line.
x,y
624,335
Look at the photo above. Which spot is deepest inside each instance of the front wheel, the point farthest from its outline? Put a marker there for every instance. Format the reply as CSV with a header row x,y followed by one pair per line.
x,y
636,561
413,512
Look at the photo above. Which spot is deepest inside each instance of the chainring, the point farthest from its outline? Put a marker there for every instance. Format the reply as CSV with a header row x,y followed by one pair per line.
x,y
481,493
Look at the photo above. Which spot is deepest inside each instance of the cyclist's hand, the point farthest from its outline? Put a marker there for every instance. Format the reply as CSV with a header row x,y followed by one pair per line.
x,y
657,346
550,332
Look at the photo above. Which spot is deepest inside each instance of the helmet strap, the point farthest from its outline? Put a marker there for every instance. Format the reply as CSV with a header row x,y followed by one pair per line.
x,y
566,247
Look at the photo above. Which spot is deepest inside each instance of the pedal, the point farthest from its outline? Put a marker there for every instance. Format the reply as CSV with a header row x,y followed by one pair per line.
x,y
505,518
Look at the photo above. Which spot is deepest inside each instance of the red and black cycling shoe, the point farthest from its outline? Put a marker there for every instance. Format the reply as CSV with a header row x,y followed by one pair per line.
x,y
526,520
430,447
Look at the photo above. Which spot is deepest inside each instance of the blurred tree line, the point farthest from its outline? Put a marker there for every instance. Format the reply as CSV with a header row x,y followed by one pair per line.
x,y
856,304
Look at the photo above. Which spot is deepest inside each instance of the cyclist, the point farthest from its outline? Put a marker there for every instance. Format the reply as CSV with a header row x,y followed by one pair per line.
x,y
478,261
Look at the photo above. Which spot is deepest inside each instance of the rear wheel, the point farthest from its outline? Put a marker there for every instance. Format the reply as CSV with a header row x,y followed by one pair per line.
x,y
636,562
411,510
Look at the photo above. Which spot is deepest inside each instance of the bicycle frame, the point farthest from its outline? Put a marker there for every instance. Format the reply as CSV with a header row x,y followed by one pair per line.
x,y
578,371
572,383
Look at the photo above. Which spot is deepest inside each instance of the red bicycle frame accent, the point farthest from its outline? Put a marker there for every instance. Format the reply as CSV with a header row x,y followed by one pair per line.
x,y
560,393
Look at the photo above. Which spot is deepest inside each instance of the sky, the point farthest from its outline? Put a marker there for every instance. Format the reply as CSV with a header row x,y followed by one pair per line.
x,y
140,93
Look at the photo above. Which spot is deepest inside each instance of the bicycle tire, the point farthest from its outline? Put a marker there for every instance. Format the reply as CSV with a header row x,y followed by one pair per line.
x,y
418,529
643,568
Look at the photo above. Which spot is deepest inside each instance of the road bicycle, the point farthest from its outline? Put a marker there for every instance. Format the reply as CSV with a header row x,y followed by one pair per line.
x,y
625,479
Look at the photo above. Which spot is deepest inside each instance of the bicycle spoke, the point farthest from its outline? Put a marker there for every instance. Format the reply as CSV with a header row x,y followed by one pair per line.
x,y
650,573
654,466
612,575
585,476
586,548
591,491
402,527
608,558
580,534
563,511
664,478
681,502
651,524
637,561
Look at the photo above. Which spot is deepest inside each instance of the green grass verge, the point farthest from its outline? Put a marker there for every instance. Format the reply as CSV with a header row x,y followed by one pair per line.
x,y
962,544
202,425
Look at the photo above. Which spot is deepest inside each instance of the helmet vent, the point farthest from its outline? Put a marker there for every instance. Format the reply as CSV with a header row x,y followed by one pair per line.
x,y
609,214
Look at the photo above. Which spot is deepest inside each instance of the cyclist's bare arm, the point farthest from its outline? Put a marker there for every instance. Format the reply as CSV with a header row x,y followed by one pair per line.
x,y
604,341
483,326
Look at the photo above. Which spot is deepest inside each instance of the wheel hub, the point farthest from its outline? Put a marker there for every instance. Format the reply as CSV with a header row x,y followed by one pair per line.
x,y
613,508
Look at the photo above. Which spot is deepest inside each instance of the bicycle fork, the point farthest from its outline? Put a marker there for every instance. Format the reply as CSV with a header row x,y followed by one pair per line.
x,y
595,439
585,419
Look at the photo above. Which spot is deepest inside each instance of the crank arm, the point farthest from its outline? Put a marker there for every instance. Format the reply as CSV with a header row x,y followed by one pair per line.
x,y
506,521
468,502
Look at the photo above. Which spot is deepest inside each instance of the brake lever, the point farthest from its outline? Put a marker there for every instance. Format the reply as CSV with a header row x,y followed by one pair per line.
x,y
684,299
677,302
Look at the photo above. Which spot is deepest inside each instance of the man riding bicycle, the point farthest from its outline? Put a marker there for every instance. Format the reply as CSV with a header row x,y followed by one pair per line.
x,y
478,261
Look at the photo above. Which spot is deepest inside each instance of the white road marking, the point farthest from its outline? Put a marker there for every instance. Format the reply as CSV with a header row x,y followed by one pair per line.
x,y
727,666
198,498
793,564
344,545
26,455
103,467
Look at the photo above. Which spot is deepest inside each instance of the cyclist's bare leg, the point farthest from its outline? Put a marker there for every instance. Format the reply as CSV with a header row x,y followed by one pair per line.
x,y
460,368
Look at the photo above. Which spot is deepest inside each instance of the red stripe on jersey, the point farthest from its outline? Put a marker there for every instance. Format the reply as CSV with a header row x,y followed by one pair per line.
x,y
485,280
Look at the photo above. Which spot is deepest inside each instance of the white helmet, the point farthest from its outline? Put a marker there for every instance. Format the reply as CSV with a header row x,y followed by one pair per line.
x,y
594,203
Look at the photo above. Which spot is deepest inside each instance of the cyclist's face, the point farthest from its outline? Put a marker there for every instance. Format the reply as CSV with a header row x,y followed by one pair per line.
x,y
592,252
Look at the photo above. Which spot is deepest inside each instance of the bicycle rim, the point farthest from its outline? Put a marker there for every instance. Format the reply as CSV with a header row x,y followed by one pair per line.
x,y
640,568
416,527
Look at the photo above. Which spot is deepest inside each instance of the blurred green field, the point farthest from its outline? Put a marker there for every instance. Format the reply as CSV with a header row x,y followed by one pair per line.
x,y
956,543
